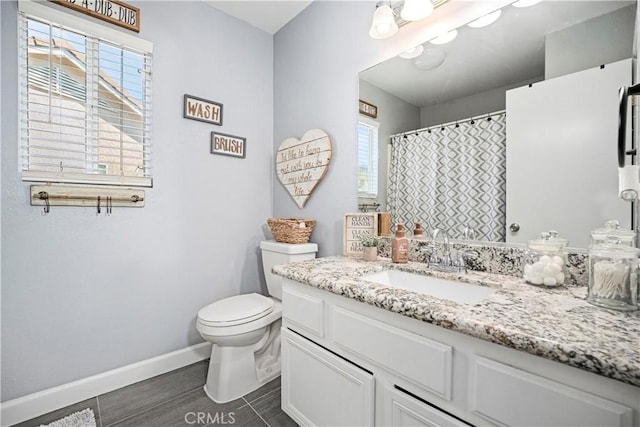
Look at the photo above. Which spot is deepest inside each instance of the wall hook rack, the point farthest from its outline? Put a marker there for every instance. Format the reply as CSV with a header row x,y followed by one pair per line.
x,y
87,196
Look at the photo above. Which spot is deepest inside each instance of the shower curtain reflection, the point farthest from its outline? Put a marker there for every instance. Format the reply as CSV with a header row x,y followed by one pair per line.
x,y
451,177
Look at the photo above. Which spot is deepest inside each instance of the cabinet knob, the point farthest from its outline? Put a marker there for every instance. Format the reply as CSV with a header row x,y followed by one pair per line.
x,y
514,227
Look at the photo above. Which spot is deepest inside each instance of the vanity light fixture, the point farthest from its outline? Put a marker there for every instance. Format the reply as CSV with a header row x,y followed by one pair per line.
x,y
525,3
485,20
413,52
392,15
415,10
445,38
384,24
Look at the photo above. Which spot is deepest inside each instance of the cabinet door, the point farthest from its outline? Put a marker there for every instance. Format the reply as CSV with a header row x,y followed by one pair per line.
x,y
321,389
404,410
509,396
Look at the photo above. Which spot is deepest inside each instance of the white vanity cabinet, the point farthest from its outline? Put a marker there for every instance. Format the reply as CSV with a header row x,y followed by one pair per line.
x,y
350,363
310,372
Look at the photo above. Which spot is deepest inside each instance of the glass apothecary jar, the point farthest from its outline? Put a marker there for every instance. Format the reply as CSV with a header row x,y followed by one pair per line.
x,y
545,260
612,229
613,276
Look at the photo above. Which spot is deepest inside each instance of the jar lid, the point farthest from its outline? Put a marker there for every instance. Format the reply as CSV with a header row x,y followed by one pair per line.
x,y
612,228
613,249
553,236
548,241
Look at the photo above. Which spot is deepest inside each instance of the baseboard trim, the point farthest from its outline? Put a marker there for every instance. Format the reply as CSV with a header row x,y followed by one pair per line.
x,y
36,404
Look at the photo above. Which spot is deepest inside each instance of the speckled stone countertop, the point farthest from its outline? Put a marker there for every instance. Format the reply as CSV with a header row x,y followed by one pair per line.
x,y
555,323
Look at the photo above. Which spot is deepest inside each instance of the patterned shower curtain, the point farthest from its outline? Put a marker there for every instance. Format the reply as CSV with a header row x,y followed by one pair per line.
x,y
451,177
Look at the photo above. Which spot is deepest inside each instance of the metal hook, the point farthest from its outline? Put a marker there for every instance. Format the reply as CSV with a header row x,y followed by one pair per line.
x,y
109,205
45,196
98,205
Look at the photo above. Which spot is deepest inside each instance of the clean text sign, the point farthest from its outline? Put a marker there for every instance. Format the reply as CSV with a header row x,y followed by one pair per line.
x,y
113,11
356,225
203,110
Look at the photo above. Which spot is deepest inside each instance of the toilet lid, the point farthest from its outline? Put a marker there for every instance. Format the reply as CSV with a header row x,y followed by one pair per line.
x,y
236,310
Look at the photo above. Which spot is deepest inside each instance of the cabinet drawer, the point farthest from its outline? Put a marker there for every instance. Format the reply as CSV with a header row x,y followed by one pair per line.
x,y
418,360
319,388
514,397
303,311
405,410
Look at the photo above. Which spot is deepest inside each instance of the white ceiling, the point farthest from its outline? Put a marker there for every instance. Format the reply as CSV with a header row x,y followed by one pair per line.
x,y
507,52
267,15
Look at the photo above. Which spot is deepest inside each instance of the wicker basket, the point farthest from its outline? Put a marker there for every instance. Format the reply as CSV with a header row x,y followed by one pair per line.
x,y
289,230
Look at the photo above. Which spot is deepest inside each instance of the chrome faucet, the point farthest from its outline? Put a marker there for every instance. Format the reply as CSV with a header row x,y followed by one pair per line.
x,y
446,248
445,262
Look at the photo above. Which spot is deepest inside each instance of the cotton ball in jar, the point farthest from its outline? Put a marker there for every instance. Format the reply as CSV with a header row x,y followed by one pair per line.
x,y
557,259
550,281
551,269
560,278
536,279
545,259
537,267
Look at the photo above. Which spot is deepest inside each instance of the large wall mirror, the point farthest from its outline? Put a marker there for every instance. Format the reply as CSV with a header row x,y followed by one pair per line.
x,y
507,130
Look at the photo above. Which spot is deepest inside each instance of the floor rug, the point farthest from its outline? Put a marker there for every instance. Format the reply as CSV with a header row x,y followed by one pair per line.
x,y
84,418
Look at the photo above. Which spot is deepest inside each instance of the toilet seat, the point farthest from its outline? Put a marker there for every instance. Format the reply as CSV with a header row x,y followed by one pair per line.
x,y
236,310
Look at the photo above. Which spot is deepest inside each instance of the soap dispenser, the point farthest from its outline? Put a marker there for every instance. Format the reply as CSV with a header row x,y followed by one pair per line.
x,y
418,231
400,246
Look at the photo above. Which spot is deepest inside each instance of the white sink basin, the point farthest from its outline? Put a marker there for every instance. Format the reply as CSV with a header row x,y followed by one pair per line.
x,y
429,285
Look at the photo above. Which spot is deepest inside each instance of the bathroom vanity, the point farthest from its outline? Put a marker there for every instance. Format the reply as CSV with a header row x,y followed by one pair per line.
x,y
361,354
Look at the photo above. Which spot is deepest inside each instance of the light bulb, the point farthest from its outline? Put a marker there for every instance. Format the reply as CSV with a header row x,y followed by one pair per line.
x,y
415,10
383,25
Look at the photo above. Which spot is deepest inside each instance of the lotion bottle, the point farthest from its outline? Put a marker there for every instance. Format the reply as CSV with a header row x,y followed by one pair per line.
x,y
400,246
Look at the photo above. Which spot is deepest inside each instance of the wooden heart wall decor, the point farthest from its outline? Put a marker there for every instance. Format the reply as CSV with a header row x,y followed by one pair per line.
x,y
302,163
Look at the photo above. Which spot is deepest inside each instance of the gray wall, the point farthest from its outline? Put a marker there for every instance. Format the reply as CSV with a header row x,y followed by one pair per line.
x,y
469,106
566,51
83,294
394,116
317,58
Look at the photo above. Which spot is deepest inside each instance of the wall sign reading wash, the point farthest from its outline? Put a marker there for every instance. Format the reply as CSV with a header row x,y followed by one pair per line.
x,y
203,110
112,11
228,145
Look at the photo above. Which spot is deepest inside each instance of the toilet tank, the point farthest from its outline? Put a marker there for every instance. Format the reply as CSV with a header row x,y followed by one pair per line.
x,y
274,253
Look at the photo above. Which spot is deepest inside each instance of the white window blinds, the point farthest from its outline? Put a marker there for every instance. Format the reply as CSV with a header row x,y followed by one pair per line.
x,y
85,107
368,159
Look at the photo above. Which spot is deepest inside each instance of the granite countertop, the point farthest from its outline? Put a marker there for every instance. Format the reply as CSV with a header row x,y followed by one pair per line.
x,y
554,323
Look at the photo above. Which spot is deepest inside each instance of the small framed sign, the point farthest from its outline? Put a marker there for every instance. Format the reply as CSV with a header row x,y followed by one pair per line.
x,y
202,110
356,225
368,109
112,11
228,145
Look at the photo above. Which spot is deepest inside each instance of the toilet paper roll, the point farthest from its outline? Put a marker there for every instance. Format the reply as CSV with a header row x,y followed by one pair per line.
x,y
629,182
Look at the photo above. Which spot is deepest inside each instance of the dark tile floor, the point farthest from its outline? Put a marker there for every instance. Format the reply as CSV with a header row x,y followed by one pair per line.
x,y
177,399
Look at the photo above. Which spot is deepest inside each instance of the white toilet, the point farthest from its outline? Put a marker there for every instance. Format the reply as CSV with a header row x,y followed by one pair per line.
x,y
245,329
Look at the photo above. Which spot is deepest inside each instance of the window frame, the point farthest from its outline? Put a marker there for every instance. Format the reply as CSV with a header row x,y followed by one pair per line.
x,y
98,32
373,160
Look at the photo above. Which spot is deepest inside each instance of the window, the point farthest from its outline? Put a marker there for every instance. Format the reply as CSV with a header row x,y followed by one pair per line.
x,y
368,158
85,101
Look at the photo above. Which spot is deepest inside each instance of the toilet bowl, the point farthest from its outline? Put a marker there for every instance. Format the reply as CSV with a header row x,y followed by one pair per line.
x,y
245,330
